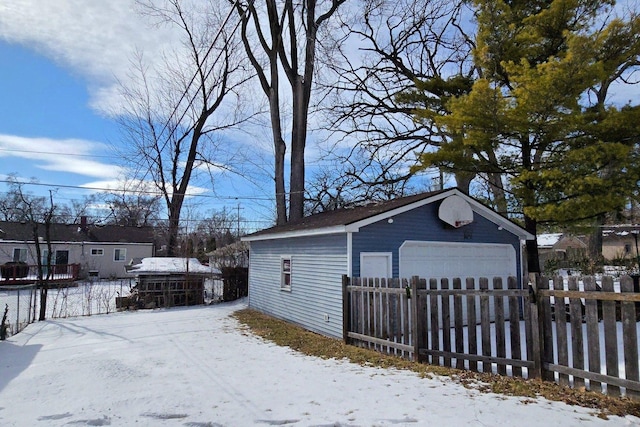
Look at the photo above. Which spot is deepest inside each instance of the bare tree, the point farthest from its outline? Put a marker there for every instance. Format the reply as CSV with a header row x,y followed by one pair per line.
x,y
280,39
220,227
135,209
38,213
347,184
389,49
8,203
175,114
73,212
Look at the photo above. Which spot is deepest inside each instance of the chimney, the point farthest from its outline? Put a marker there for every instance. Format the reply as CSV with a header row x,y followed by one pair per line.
x,y
83,223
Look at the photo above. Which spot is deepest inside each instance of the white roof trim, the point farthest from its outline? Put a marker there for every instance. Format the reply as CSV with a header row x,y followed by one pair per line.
x,y
337,229
355,227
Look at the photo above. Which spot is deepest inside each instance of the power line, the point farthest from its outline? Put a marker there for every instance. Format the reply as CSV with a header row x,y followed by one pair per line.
x,y
13,150
318,162
137,192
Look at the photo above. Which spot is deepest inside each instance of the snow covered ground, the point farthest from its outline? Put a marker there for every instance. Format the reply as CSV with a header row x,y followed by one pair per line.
x,y
198,367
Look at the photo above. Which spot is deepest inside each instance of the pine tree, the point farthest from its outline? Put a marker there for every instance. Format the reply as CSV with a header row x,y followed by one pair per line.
x,y
537,117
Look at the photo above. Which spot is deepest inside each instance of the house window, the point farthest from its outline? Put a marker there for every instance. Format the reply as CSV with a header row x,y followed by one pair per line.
x,y
627,248
285,273
119,254
97,251
19,254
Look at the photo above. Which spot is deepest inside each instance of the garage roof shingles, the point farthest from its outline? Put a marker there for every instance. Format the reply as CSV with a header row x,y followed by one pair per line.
x,y
345,216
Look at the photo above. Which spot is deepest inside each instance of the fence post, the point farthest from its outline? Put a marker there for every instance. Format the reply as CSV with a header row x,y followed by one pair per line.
x,y
534,327
416,324
545,328
18,313
346,309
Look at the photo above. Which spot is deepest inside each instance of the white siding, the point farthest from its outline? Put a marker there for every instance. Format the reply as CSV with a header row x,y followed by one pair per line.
x,y
80,253
315,299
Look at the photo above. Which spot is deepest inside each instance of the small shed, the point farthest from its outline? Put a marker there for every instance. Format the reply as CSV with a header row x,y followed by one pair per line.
x,y
170,282
295,270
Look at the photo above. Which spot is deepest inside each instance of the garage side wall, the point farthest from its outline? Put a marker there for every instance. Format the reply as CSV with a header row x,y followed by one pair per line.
x,y
317,266
423,224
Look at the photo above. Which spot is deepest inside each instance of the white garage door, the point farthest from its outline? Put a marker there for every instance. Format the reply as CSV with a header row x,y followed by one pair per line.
x,y
446,259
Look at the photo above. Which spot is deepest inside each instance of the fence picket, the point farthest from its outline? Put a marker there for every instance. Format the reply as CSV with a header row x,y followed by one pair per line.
x,y
532,327
446,321
559,309
371,302
434,325
610,336
485,323
419,326
396,319
422,317
577,341
406,315
459,323
498,305
471,321
545,330
630,334
384,315
514,326
593,333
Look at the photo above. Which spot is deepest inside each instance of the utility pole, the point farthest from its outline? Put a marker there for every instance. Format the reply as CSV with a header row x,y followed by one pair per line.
x,y
238,229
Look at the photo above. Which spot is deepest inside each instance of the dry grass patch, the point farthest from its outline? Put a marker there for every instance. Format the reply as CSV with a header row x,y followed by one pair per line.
x,y
312,344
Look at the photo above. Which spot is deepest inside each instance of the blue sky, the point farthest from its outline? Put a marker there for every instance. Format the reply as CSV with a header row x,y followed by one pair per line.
x,y
44,103
44,110
61,63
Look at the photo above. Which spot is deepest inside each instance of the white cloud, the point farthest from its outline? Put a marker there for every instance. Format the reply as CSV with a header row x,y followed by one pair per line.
x,y
59,155
95,39
118,185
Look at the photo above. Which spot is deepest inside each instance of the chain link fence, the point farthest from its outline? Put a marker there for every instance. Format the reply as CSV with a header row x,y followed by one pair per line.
x,y
18,301
83,298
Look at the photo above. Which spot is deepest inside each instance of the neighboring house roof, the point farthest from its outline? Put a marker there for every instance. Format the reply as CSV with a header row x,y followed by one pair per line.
x,y
23,232
351,219
170,265
561,242
622,230
547,240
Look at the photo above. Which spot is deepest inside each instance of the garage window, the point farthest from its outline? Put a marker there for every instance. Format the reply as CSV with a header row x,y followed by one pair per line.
x,y
285,273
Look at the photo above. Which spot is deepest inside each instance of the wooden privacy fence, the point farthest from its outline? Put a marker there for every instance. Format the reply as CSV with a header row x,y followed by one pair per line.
x,y
492,326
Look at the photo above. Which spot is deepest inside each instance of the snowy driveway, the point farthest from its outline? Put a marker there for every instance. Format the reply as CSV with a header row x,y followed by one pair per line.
x,y
196,367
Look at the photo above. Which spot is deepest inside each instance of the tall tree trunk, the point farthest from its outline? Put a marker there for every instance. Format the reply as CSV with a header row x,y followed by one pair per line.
x,y
280,149
533,257
595,239
528,199
463,180
174,228
298,144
